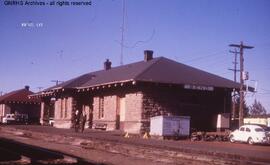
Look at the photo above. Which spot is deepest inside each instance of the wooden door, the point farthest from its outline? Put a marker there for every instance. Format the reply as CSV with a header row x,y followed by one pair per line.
x,y
120,111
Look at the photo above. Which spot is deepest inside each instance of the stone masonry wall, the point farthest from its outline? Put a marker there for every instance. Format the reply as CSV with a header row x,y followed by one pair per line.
x,y
63,113
133,110
109,111
201,106
133,118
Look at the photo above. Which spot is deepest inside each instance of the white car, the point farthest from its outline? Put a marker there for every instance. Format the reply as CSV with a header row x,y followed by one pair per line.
x,y
51,121
9,118
249,133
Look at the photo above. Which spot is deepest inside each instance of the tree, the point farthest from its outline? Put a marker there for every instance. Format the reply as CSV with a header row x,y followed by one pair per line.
x,y
257,109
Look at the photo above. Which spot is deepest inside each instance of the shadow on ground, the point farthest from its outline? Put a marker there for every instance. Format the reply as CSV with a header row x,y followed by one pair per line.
x,y
12,151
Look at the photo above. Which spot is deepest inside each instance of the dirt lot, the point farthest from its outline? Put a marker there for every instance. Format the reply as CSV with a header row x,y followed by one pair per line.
x,y
112,148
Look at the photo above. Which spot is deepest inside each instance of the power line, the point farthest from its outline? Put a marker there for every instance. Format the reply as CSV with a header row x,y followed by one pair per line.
x,y
266,93
203,57
220,61
268,90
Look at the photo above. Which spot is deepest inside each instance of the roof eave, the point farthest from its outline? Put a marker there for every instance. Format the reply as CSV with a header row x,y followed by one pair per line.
x,y
105,84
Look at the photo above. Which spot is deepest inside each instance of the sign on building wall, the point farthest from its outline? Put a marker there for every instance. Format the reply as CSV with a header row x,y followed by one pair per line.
x,y
198,87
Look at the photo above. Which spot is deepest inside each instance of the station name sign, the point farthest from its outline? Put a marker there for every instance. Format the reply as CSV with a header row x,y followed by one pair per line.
x,y
198,87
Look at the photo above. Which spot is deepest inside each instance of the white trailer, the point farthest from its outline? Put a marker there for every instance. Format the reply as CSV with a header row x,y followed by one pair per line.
x,y
170,126
223,121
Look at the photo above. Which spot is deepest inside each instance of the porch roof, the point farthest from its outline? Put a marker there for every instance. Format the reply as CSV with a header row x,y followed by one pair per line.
x,y
19,96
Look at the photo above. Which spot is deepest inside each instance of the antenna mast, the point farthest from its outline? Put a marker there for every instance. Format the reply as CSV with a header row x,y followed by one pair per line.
x,y
122,30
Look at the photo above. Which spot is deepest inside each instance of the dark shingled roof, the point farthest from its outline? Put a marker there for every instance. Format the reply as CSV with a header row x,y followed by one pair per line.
x,y
20,96
169,71
75,82
158,70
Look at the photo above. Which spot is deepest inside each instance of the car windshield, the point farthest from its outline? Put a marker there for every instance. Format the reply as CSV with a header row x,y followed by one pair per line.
x,y
266,128
259,130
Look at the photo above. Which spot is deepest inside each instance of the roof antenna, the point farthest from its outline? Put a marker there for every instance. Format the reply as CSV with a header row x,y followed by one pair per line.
x,y
57,81
39,88
122,30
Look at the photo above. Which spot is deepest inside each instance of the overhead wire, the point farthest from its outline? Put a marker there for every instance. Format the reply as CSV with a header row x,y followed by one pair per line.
x,y
204,57
216,59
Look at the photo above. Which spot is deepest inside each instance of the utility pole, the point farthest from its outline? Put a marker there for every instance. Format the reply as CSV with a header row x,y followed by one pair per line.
x,y
235,70
241,47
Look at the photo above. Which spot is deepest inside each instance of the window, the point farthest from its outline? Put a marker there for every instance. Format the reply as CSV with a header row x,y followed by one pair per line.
x,y
247,130
242,129
101,108
66,107
259,130
63,107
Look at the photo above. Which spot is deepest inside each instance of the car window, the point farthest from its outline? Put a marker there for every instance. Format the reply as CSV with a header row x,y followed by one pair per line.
x,y
247,130
259,130
242,129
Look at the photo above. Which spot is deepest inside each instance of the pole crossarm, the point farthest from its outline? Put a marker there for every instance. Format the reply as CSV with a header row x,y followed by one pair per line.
x,y
241,45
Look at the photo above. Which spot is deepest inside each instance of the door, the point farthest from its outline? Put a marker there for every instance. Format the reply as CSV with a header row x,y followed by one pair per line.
x,y
90,124
184,127
122,109
88,111
241,134
120,112
117,124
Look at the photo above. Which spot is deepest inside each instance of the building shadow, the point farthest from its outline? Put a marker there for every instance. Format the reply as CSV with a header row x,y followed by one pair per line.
x,y
13,151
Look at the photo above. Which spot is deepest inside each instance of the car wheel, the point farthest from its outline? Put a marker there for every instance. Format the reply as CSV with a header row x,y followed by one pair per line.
x,y
232,139
250,141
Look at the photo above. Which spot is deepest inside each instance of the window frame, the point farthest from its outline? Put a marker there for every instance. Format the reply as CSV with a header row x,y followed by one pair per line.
x,y
242,129
101,107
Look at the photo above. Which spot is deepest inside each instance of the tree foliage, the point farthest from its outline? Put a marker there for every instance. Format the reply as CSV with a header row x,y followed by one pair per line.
x,y
257,109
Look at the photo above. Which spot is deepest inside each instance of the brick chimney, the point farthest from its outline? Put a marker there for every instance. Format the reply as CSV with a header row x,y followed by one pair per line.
x,y
27,87
107,64
148,55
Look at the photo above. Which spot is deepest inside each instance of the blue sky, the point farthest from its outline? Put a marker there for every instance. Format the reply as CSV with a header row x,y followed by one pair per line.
x,y
75,40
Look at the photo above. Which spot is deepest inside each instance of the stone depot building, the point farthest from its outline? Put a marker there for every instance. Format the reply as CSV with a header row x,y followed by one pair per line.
x,y
126,97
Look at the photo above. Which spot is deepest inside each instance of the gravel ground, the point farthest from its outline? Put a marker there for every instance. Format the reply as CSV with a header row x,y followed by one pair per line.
x,y
113,148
